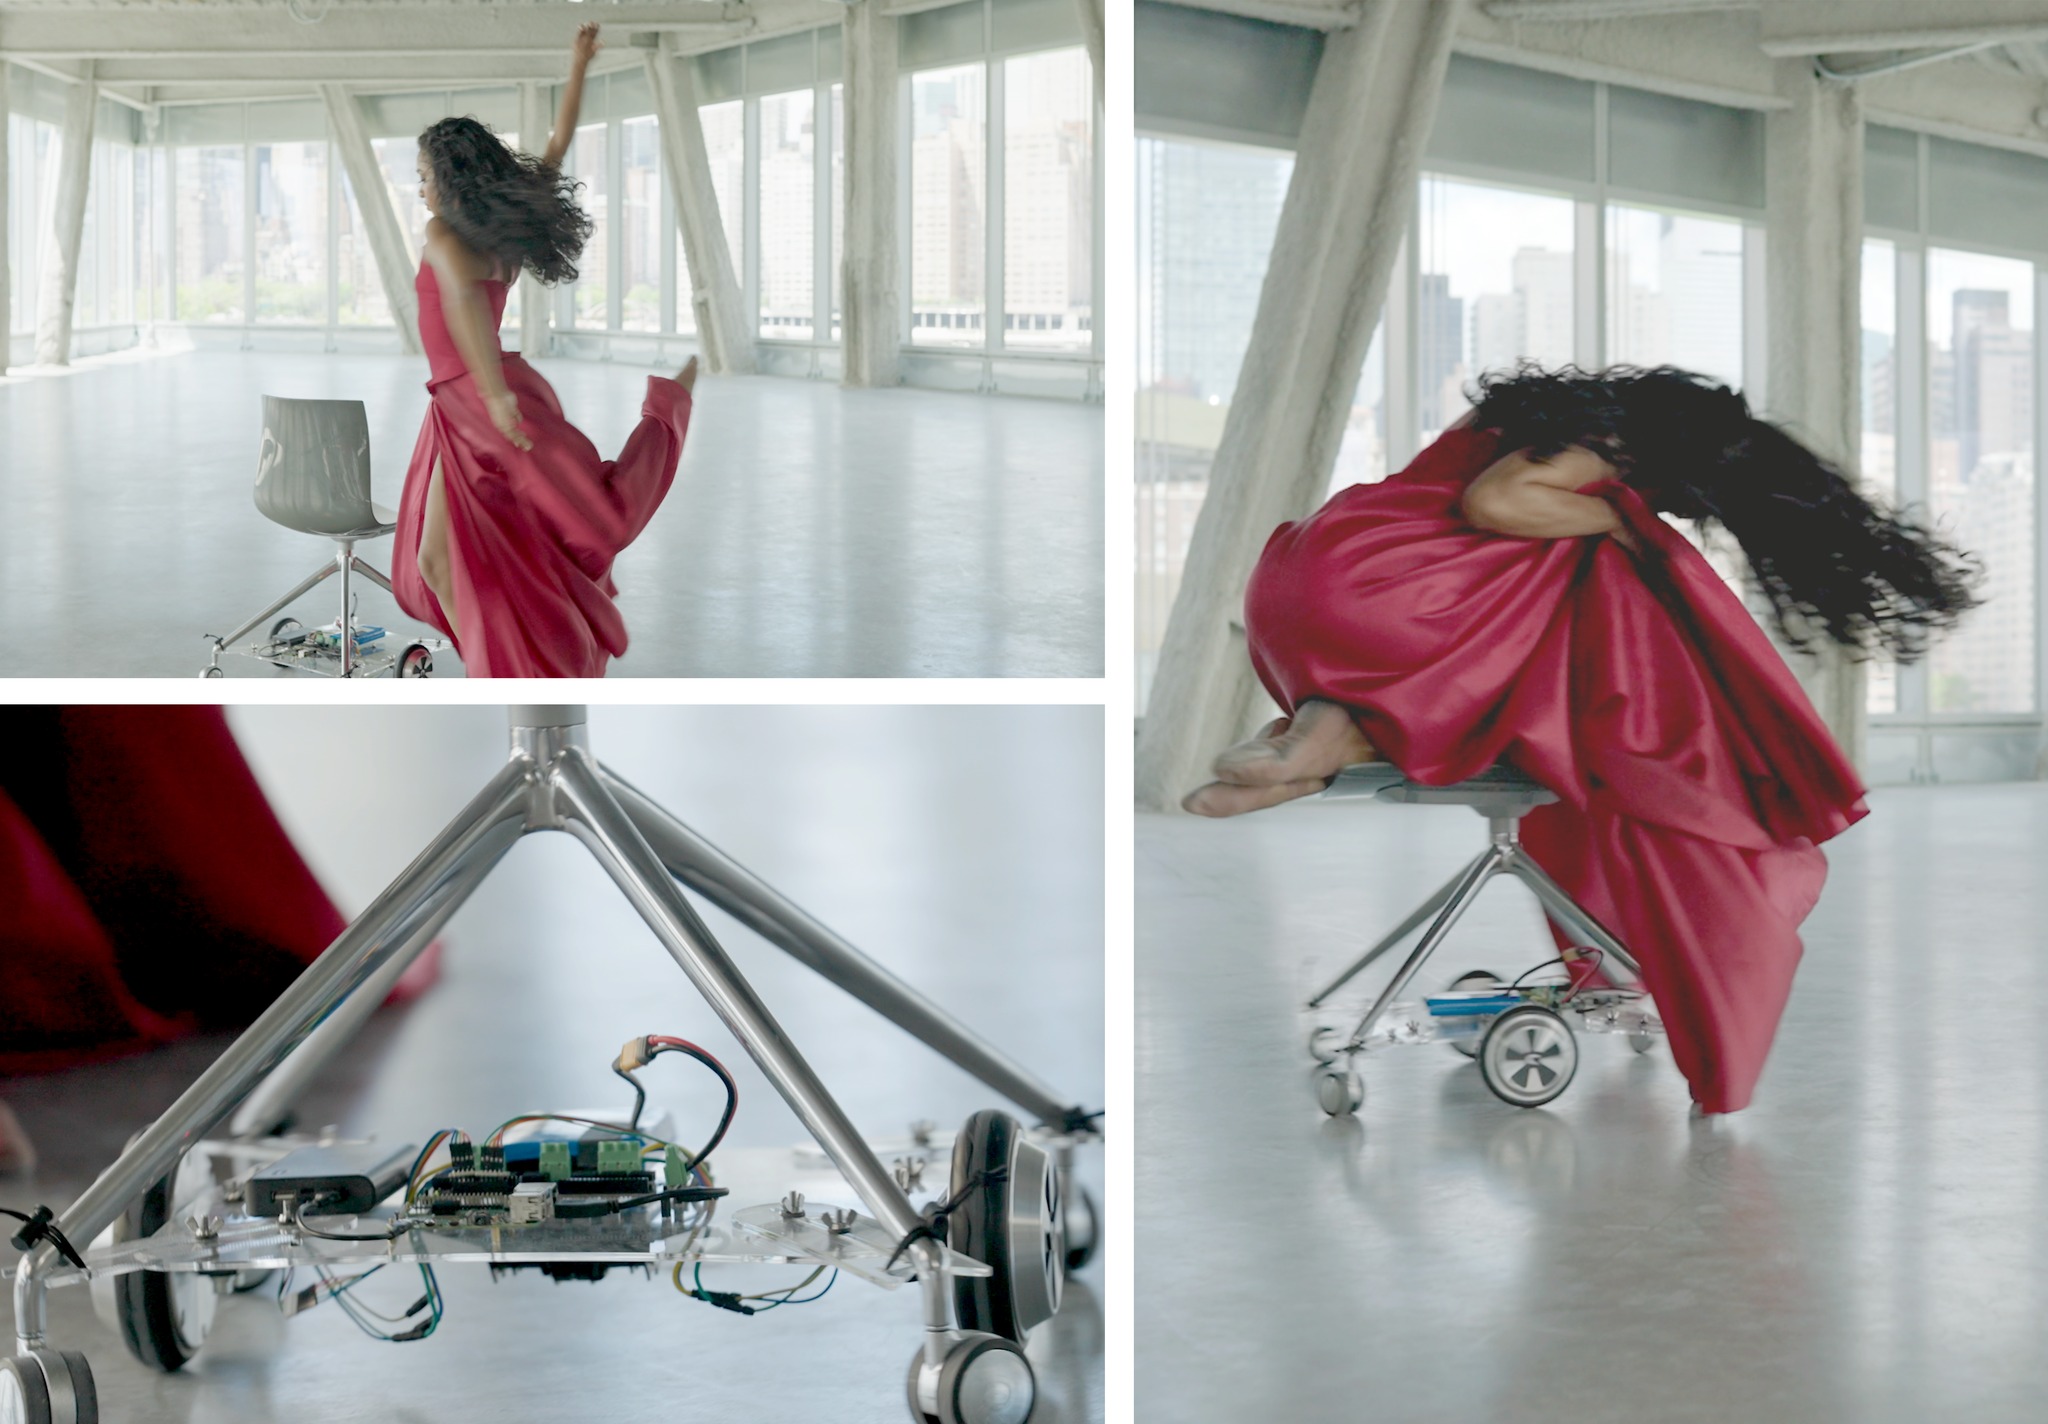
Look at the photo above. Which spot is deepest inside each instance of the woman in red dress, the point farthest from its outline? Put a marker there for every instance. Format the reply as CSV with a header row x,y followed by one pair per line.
x,y
510,520
1513,596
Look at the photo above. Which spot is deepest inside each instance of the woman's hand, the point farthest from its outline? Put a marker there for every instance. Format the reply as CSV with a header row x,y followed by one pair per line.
x,y
585,47
1626,537
504,409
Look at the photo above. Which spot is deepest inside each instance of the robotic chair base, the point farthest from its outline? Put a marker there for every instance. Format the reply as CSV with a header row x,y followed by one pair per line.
x,y
188,1215
313,476
1521,1032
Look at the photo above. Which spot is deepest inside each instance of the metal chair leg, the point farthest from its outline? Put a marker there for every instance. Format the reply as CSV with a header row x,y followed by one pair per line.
x,y
590,812
1467,890
1407,927
483,832
345,561
704,868
1570,915
370,572
325,571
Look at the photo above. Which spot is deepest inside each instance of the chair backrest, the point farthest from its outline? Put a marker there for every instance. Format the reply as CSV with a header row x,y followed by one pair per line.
x,y
313,469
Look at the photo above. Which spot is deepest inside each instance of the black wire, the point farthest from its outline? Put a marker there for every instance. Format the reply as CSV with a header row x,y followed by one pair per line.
x,y
1575,983
732,1090
639,1097
584,1210
936,1217
40,1227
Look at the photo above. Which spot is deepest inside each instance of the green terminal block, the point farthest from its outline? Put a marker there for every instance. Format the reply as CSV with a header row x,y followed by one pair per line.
x,y
555,1162
618,1157
673,1173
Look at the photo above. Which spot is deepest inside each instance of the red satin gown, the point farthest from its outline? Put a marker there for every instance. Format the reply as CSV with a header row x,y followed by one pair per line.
x,y
146,889
1696,780
531,533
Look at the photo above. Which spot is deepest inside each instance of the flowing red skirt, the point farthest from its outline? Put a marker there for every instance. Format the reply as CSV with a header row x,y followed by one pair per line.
x,y
146,889
532,533
1696,780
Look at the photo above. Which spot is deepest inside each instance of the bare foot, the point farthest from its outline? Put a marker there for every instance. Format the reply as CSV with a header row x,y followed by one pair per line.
x,y
1317,743
687,377
1220,798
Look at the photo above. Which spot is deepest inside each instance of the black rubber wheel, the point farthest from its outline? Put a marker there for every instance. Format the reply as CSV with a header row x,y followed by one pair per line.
x,y
283,626
211,671
1083,1228
416,661
1013,1224
163,1315
48,1387
23,1394
984,1380
1528,1056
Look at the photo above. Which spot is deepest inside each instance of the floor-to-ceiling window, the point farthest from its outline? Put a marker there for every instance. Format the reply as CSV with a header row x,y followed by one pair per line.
x,y
1494,287
1048,200
1878,455
789,184
209,234
291,232
948,205
1980,470
587,163
641,237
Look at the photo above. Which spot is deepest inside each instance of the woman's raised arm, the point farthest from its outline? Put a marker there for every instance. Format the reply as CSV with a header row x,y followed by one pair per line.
x,y
580,54
1540,499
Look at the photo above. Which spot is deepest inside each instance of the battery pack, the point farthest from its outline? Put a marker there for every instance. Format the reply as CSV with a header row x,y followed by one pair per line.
x,y
335,1180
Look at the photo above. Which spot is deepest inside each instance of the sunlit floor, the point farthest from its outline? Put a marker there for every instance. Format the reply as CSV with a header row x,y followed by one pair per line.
x,y
812,531
1867,1244
975,874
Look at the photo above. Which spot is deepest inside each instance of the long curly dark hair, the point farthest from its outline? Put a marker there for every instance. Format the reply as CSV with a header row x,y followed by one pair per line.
x,y
507,205
1834,565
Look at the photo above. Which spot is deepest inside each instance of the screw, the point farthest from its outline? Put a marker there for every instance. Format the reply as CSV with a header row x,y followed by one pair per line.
x,y
910,1173
793,1207
839,1223
921,1131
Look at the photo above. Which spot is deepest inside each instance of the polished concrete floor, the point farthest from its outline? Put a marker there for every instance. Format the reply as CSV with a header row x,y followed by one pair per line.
x,y
812,531
977,875
1867,1244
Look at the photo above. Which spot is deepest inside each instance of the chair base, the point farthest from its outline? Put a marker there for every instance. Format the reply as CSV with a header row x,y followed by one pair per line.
x,y
346,649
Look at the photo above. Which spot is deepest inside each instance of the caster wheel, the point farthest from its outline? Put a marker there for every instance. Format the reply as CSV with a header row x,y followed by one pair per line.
x,y
1323,1044
1016,1225
1340,1091
283,626
1642,1042
162,1316
1475,979
1084,1229
984,1380
203,672
416,661
48,1387
1528,1057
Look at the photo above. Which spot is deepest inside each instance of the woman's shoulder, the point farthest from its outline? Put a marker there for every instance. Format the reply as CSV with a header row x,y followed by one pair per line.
x,y
448,252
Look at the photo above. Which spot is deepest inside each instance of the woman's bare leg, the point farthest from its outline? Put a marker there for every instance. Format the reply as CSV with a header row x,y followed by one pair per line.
x,y
434,568
687,377
1288,759
17,1153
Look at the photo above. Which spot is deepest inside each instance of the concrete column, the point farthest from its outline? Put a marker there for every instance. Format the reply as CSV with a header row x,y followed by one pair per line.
x,y
1813,253
535,125
722,331
396,267
871,320
1348,205
6,300
1092,23
67,224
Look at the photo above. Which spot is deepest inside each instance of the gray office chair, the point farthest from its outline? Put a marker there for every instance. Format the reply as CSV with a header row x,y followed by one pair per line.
x,y
313,476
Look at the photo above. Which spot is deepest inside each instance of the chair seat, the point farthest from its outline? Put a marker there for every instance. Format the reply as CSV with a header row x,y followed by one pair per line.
x,y
387,523
1499,790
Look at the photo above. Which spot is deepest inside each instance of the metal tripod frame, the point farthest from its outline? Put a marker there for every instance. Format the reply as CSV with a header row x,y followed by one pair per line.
x,y
346,561
1503,855
553,782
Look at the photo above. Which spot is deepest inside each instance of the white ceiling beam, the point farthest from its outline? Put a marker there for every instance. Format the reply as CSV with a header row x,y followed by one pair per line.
x,y
1308,14
1795,28
1559,10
